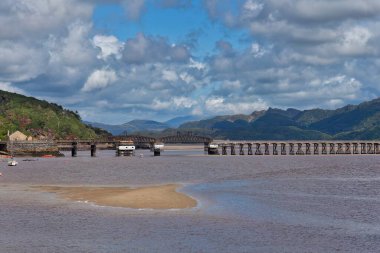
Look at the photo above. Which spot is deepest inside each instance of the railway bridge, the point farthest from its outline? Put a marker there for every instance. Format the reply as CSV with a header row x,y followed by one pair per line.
x,y
296,147
144,142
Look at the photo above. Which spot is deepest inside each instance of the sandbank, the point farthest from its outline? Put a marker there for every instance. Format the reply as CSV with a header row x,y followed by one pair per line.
x,y
151,197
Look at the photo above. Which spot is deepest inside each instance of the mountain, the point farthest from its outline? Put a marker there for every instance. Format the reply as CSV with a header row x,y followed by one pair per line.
x,y
131,127
176,122
144,125
41,119
349,122
113,129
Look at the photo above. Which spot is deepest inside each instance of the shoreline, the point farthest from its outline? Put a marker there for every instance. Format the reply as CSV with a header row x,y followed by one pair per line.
x,y
145,197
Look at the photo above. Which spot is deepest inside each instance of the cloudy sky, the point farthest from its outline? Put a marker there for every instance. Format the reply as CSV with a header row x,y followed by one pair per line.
x,y
118,60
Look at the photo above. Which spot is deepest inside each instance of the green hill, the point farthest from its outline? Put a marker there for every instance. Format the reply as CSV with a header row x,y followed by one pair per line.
x,y
40,118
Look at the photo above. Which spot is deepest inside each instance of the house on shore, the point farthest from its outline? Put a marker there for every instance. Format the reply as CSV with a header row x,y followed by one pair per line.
x,y
19,136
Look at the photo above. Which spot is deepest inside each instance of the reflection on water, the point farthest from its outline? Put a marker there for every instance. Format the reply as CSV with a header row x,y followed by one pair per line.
x,y
246,204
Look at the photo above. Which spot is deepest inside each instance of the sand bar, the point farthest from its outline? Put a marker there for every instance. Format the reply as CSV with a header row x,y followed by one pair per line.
x,y
151,197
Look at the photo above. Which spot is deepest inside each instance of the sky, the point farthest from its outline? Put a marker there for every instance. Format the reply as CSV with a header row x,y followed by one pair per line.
x,y
118,60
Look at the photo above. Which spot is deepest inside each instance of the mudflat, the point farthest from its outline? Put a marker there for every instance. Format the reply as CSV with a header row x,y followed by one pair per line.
x,y
151,197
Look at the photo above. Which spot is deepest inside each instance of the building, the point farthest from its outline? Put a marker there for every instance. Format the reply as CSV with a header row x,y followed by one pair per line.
x,y
17,136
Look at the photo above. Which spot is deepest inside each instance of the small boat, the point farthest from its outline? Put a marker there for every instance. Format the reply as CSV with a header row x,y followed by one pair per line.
x,y
12,162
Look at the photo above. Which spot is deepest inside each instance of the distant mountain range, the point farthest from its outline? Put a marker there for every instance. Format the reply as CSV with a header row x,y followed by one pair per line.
x,y
142,125
349,122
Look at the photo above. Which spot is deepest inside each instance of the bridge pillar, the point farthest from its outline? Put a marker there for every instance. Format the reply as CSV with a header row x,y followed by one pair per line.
x,y
324,149
241,151
224,150
250,149
266,149
283,148
205,147
299,149
291,149
258,149
348,148
74,149
232,145
93,150
370,148
308,152
332,148
377,150
355,150
316,148
363,148
275,152
340,149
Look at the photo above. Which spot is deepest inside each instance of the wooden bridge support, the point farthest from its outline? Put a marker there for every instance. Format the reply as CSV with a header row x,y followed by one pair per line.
x,y
324,149
348,148
316,148
266,148
370,148
93,150
275,152
250,149
205,147
308,152
299,149
291,149
283,148
74,149
258,149
224,150
363,148
355,148
241,151
332,149
340,149
233,149
376,147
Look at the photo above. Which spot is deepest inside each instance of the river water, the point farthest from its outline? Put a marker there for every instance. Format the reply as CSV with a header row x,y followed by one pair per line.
x,y
245,204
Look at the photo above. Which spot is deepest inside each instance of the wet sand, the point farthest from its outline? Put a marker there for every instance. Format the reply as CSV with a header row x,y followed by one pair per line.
x,y
151,197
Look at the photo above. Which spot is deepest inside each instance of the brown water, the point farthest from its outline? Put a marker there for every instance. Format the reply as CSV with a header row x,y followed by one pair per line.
x,y
245,204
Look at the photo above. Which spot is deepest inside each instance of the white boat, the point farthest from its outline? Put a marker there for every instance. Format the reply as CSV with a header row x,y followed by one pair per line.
x,y
126,148
213,146
12,162
158,146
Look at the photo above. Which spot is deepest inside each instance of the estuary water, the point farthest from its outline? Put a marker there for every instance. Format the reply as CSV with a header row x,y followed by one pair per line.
x,y
245,204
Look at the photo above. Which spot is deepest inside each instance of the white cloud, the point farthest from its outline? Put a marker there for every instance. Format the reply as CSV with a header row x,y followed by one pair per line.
x,y
100,79
196,64
251,9
175,103
109,45
220,105
169,75
355,41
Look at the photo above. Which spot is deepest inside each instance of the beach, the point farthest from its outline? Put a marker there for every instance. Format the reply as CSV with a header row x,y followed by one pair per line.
x,y
153,197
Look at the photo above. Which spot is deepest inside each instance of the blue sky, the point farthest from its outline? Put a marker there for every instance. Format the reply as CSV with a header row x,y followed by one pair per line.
x,y
118,60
